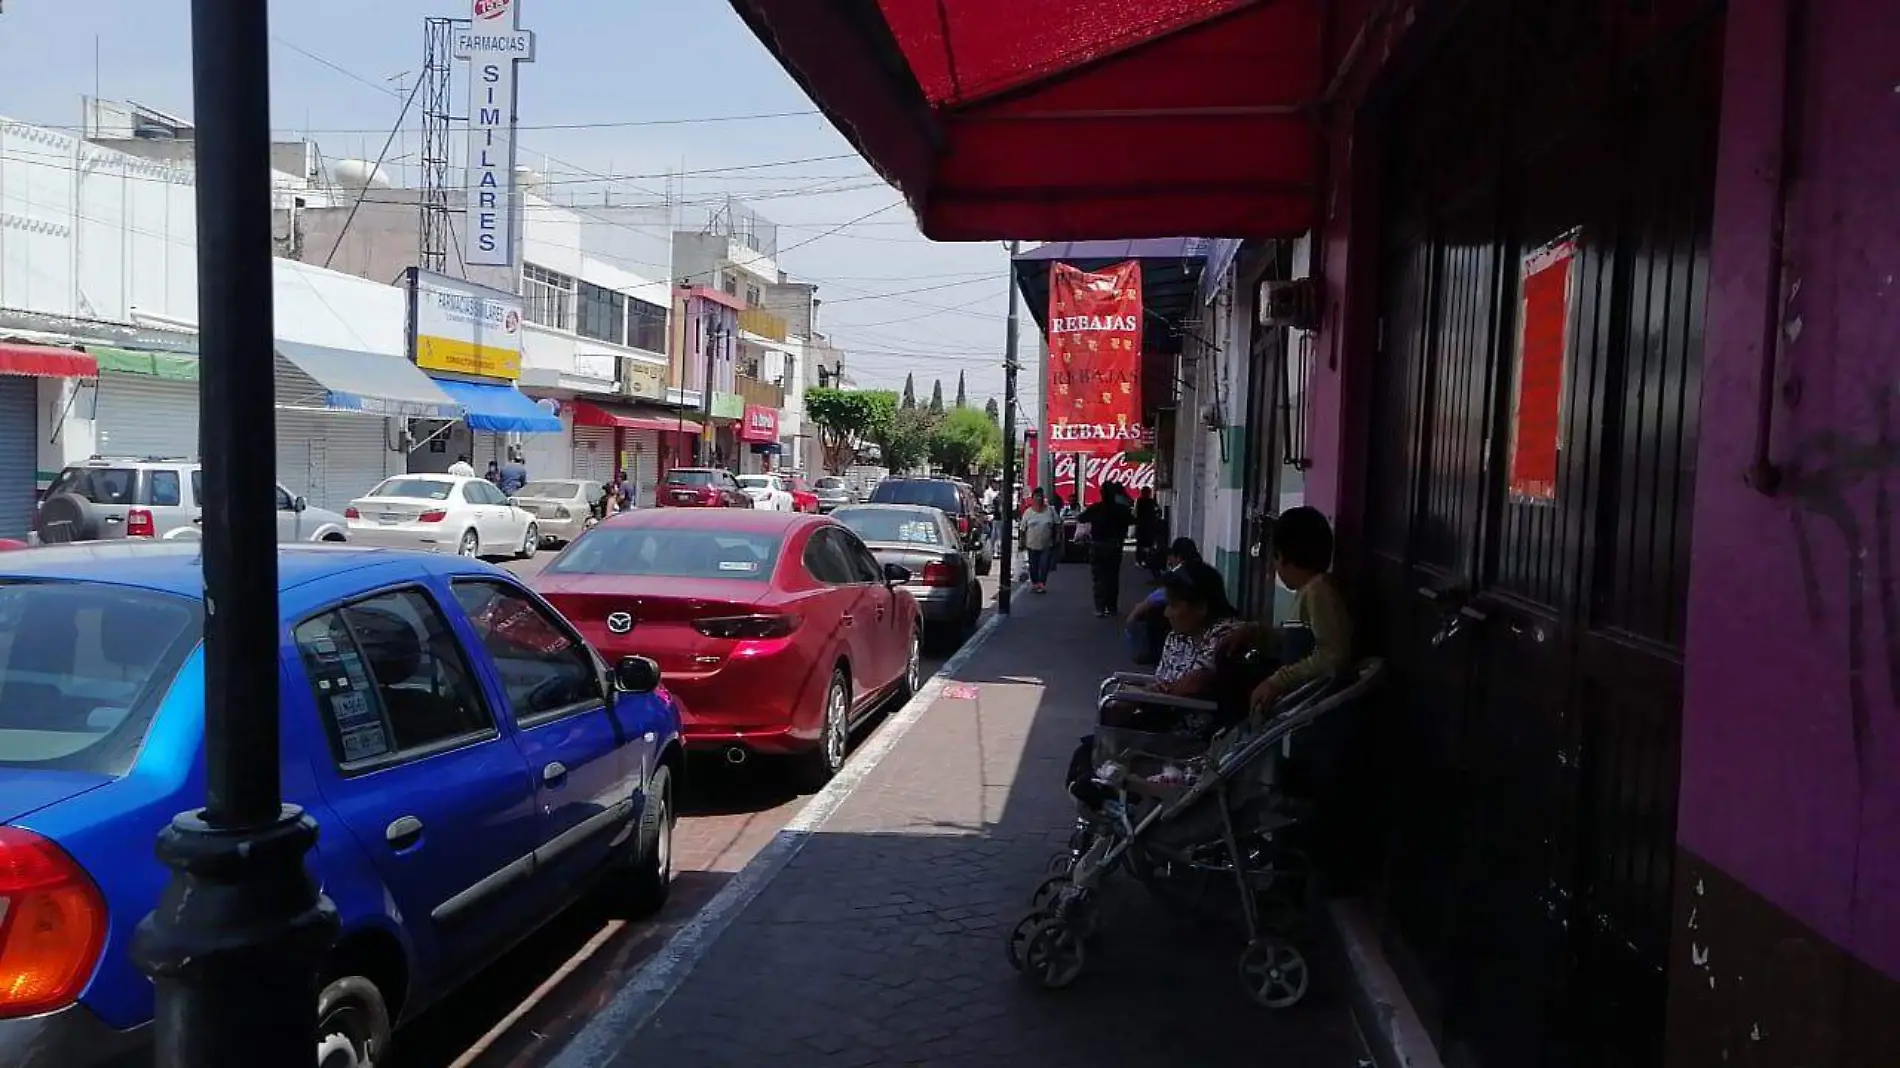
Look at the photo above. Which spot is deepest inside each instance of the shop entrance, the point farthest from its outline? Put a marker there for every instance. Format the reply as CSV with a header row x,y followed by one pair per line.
x,y
1546,215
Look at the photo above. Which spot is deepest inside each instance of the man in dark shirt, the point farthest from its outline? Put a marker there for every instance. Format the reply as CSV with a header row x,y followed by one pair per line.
x,y
514,474
1108,521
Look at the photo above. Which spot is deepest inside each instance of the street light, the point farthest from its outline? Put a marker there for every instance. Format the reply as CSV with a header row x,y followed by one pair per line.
x,y
1008,496
234,944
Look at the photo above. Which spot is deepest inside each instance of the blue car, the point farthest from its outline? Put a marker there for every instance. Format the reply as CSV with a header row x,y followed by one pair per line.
x,y
471,761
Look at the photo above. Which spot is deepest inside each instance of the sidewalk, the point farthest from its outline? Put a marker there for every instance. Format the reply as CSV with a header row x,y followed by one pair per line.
x,y
881,940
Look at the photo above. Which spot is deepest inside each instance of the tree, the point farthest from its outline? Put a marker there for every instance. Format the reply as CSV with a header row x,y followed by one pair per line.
x,y
906,441
910,392
965,441
990,409
963,397
846,420
936,397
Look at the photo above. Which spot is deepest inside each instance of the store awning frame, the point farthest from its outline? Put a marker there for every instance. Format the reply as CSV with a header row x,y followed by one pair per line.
x,y
1207,114
29,360
593,413
369,382
501,409
153,363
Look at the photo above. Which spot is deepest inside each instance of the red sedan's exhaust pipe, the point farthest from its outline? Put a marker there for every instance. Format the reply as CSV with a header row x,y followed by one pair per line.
x,y
736,755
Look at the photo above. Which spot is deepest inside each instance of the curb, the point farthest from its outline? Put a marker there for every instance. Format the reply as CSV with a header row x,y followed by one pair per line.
x,y
1387,1021
608,1034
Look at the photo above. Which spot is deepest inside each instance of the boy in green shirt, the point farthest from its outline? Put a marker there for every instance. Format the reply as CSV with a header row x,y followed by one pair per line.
x,y
1302,559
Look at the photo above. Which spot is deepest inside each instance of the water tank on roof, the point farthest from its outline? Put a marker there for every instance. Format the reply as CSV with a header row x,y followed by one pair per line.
x,y
529,180
359,174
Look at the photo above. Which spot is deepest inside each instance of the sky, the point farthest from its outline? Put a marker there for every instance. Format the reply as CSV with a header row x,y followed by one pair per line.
x,y
620,95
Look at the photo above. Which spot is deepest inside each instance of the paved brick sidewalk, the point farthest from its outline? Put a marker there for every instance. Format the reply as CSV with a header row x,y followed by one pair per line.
x,y
881,942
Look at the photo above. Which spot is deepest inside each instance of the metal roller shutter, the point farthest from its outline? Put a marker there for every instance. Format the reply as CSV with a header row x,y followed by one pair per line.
x,y
548,455
594,453
138,415
643,452
19,454
332,459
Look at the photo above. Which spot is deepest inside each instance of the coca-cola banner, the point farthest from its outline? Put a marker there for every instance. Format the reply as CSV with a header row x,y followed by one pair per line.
x,y
1097,470
1094,359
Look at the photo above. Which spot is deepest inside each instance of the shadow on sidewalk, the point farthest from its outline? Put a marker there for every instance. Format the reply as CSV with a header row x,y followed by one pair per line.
x,y
882,941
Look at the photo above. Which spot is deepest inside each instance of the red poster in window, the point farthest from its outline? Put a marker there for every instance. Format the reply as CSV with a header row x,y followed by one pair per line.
x,y
1543,342
1095,359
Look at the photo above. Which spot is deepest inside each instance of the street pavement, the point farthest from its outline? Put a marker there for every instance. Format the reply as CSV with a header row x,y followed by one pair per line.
x,y
526,1006
880,941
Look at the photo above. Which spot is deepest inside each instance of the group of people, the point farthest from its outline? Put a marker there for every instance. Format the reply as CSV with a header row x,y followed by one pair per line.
x,y
508,477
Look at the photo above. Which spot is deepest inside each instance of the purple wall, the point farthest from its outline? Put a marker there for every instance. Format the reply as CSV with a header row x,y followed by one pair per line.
x,y
1791,750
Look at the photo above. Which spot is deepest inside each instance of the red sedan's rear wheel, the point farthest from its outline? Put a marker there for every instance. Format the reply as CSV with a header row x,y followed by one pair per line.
x,y
818,766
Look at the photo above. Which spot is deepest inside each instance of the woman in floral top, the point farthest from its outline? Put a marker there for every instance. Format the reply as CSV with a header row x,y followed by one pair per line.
x,y
1200,618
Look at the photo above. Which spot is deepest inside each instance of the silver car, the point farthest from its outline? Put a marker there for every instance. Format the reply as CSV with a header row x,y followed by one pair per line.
x,y
564,508
943,576
832,492
114,497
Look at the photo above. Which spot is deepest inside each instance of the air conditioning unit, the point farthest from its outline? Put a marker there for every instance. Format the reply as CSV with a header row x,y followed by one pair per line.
x,y
1293,304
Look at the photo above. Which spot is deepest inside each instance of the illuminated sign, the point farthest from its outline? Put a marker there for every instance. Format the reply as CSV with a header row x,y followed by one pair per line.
x,y
493,43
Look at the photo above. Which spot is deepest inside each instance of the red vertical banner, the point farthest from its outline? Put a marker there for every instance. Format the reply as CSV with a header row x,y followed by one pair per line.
x,y
1095,320
1032,460
1543,341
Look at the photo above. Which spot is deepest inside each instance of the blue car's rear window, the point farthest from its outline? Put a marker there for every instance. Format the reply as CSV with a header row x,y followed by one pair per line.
x,y
934,494
82,666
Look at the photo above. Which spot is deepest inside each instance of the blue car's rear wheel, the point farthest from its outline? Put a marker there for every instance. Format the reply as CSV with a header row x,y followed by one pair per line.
x,y
352,1024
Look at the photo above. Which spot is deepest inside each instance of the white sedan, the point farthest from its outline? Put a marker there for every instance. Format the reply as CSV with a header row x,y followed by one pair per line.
x,y
443,513
768,493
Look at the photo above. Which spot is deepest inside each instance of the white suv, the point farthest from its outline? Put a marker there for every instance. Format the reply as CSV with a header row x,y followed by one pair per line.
x,y
154,497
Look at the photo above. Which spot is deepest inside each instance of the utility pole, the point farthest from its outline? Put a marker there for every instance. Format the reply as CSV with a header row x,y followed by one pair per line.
x,y
1009,443
234,944
715,334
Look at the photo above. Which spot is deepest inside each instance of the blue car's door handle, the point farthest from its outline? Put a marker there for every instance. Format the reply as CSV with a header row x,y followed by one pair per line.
x,y
403,833
554,773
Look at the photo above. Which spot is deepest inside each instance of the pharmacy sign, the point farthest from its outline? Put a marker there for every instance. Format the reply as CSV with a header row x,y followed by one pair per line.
x,y
492,42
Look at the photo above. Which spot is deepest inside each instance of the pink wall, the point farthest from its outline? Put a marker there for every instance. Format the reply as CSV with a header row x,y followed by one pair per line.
x,y
1791,749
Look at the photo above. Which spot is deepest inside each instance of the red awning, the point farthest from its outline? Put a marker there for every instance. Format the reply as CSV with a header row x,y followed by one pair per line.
x,y
1055,120
587,413
45,361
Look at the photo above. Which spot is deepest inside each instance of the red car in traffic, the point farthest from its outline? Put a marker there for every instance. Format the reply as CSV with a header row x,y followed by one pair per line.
x,y
700,487
803,499
778,633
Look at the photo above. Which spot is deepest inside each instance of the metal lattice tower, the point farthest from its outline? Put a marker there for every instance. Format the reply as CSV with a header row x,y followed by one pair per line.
x,y
434,235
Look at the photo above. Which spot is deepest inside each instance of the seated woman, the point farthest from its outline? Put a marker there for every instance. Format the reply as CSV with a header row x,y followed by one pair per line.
x,y
1201,620
1147,626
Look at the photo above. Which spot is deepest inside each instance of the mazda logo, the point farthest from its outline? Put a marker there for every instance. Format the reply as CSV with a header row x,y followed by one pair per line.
x,y
620,622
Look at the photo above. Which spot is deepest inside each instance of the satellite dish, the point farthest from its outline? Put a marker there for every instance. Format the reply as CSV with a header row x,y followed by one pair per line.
x,y
548,405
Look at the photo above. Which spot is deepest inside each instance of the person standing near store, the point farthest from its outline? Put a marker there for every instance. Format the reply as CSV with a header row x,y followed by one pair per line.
x,y
1148,533
514,474
493,474
1108,521
1040,526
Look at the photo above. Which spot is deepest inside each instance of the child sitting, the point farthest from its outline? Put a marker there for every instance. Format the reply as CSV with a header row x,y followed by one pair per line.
x,y
1302,559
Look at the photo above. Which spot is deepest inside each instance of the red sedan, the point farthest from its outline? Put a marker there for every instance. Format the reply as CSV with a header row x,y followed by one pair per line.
x,y
777,632
803,499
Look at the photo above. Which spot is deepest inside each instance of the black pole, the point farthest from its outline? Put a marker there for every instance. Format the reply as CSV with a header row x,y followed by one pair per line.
x,y
234,943
1009,444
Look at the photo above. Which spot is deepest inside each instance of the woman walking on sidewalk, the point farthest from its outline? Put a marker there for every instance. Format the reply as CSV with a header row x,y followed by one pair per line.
x,y
1039,538
1108,521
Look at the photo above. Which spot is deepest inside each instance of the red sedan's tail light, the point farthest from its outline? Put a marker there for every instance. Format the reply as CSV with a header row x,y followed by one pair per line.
x,y
436,516
53,929
963,524
352,513
139,524
742,628
938,573
710,496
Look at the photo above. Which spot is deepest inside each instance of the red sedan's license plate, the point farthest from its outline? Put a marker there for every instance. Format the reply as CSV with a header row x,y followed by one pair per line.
x,y
685,495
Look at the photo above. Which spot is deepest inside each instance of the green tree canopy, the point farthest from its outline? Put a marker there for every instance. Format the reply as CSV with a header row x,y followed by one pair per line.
x,y
966,442
990,409
963,396
936,397
906,441
847,419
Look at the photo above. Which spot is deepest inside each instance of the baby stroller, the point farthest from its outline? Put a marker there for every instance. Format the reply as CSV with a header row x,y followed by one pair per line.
x,y
1163,811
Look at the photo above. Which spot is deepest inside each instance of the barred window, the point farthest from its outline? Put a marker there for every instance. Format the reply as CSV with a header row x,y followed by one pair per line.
x,y
547,297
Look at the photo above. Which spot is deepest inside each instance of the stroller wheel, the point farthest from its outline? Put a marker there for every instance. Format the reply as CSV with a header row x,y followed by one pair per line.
x,y
1019,936
1274,974
1053,954
1048,892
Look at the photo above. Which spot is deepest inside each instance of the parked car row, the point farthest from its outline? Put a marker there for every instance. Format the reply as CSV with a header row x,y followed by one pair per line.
x,y
488,747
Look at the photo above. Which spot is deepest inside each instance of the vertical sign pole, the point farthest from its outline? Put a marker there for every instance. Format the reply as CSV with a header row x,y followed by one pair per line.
x,y
234,944
495,45
1008,562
